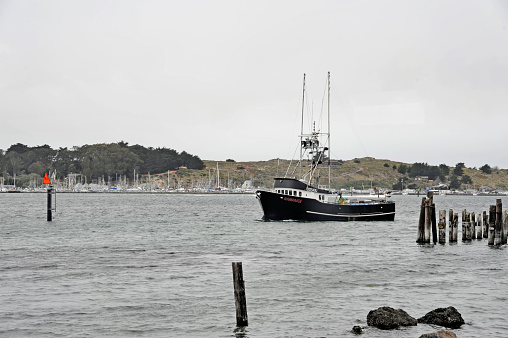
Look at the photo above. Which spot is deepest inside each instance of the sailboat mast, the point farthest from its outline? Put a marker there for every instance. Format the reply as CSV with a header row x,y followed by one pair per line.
x,y
218,179
328,141
301,129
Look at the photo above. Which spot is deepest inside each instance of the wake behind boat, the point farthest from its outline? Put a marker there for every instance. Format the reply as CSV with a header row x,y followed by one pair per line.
x,y
305,199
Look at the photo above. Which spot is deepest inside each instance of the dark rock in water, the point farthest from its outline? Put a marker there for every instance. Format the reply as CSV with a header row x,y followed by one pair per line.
x,y
386,318
439,334
447,317
357,329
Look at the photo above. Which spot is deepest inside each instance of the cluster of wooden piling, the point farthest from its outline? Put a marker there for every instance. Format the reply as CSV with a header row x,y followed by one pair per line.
x,y
493,226
427,218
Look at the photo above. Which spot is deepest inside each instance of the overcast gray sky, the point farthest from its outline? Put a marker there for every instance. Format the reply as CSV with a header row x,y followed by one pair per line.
x,y
412,81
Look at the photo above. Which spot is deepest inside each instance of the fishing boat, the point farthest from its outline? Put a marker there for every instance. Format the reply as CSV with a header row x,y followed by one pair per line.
x,y
302,197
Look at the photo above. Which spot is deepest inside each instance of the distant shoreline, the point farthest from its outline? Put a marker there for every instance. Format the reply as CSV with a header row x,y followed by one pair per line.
x,y
423,194
137,192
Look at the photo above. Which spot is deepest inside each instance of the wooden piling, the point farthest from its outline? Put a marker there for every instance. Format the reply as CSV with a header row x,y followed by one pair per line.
x,y
499,222
442,226
473,225
468,226
428,216
464,225
505,227
492,221
485,225
433,221
450,225
479,234
49,206
455,226
240,300
430,196
421,223
432,210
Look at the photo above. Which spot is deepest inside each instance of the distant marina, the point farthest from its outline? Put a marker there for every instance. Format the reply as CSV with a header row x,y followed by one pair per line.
x,y
246,178
245,188
138,189
149,187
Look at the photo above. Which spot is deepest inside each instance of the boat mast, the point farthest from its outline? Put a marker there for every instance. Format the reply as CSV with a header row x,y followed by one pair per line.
x,y
328,141
301,128
218,179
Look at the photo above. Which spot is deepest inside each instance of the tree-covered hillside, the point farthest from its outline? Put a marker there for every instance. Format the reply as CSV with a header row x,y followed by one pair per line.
x,y
106,162
92,161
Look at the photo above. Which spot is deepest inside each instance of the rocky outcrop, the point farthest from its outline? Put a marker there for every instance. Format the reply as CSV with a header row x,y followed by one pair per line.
x,y
387,318
447,317
439,334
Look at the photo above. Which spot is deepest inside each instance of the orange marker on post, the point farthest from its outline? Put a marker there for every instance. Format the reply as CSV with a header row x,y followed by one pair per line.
x,y
46,179
50,191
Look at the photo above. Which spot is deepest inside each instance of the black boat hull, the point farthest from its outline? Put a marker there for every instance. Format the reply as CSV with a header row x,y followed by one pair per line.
x,y
283,207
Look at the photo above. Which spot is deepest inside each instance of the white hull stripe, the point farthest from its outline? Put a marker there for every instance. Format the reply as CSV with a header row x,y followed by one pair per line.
x,y
350,215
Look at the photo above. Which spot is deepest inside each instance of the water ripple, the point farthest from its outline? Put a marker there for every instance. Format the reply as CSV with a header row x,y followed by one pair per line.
x,y
160,265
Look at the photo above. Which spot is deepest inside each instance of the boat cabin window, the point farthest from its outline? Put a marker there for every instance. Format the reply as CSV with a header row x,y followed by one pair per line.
x,y
285,192
300,193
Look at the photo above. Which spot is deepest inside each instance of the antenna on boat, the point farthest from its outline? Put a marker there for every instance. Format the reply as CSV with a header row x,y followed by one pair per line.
x,y
301,129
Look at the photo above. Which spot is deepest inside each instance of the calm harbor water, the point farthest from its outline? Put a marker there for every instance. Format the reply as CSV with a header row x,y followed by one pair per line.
x,y
160,266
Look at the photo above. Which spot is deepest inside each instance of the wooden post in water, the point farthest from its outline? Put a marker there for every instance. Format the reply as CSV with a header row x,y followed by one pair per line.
x,y
50,192
421,223
455,226
240,300
492,221
473,226
479,234
485,225
450,225
442,226
464,225
468,226
505,227
433,220
499,222
432,211
428,215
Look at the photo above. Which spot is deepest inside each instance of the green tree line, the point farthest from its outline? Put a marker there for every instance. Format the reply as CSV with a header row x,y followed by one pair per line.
x,y
92,161
454,178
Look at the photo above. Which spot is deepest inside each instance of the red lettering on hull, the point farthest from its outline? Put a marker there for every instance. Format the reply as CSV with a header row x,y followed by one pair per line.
x,y
290,199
